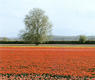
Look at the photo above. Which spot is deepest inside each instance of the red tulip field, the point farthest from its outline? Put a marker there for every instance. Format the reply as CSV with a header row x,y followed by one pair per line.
x,y
56,62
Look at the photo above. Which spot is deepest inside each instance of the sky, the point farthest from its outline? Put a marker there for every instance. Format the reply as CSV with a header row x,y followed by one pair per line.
x,y
69,17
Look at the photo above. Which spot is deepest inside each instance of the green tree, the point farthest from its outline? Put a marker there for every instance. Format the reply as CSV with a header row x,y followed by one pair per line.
x,y
82,39
38,27
5,39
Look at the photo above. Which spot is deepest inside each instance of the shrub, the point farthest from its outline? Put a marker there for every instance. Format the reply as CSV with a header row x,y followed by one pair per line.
x,y
82,39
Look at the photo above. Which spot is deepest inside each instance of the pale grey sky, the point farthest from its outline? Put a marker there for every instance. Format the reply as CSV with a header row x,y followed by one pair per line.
x,y
69,17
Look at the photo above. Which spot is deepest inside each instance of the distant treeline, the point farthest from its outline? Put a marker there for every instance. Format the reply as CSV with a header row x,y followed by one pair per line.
x,y
48,42
69,42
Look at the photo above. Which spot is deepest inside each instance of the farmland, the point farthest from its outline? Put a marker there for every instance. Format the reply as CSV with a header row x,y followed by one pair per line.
x,y
62,61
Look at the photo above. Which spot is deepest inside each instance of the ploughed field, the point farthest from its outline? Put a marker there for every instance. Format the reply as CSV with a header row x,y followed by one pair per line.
x,y
46,60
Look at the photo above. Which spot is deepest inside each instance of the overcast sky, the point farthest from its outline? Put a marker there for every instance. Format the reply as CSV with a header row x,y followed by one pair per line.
x,y
69,17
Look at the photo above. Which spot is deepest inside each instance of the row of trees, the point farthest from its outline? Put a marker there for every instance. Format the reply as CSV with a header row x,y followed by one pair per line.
x,y
82,39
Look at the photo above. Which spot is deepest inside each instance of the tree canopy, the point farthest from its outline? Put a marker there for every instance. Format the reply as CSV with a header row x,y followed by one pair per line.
x,y
38,26
82,38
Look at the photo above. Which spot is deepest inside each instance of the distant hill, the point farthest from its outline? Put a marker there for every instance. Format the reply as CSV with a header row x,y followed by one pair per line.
x,y
9,39
64,38
56,38
70,38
